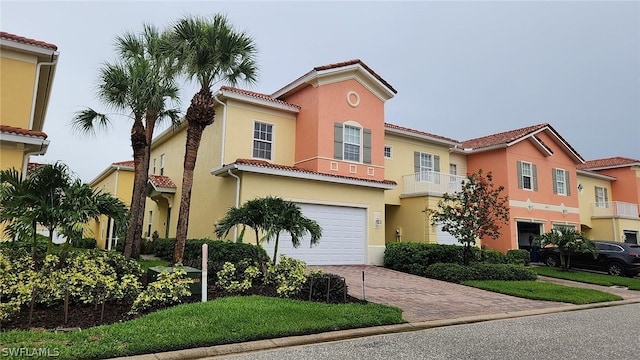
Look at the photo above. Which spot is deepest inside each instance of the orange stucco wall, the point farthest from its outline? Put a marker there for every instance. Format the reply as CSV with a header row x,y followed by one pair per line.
x,y
626,188
325,105
547,207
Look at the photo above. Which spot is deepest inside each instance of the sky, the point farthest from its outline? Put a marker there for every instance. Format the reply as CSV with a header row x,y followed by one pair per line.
x,y
462,69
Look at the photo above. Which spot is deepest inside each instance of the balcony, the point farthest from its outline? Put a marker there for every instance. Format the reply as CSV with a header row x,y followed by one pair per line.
x,y
614,209
431,183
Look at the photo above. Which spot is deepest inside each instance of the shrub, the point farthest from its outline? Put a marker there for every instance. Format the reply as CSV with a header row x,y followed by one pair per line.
x,y
85,243
325,287
492,257
414,258
518,257
219,253
25,245
237,279
481,271
288,275
15,281
169,289
147,246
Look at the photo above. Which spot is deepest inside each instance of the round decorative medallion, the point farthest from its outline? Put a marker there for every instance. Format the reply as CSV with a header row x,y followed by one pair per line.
x,y
353,99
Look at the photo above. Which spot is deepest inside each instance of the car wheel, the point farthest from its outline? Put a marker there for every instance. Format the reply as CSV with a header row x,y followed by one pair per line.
x,y
551,260
616,269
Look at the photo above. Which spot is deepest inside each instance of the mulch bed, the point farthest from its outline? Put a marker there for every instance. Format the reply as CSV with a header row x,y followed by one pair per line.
x,y
86,316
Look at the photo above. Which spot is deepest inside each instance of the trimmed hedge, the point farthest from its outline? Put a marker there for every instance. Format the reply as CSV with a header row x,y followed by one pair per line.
x,y
414,258
518,257
492,257
219,253
457,273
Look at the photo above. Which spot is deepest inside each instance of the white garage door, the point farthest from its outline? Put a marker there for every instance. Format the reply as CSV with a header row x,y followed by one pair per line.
x,y
446,238
343,237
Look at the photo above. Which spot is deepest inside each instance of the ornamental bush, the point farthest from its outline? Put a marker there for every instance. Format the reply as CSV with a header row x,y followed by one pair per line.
x,y
414,258
518,257
237,279
492,256
288,275
324,287
16,275
169,289
457,273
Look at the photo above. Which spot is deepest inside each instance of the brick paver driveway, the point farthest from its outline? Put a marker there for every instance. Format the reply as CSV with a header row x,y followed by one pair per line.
x,y
423,299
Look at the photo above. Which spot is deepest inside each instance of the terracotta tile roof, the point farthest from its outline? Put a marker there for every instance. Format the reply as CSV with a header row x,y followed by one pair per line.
x,y
266,164
161,181
501,138
418,132
31,167
20,131
353,62
608,162
257,95
24,40
126,163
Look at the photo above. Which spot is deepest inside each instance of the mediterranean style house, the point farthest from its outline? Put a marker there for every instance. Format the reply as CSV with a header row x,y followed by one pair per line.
x,y
27,69
323,142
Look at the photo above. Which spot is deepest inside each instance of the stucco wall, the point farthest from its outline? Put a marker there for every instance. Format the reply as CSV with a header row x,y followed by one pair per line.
x,y
17,80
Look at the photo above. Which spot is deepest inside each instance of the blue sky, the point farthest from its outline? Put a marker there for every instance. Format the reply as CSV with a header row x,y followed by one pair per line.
x,y
462,69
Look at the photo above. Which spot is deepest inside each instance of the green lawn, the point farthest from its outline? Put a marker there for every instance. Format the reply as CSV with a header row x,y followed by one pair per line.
x,y
588,277
146,264
537,290
221,321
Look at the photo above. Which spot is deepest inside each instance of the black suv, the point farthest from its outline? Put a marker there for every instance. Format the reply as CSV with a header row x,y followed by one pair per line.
x,y
616,258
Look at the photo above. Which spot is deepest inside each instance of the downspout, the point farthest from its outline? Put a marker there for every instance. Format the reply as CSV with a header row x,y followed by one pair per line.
x,y
235,229
27,155
224,131
35,89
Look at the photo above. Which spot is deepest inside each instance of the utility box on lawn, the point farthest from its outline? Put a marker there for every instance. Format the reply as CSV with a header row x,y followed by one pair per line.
x,y
192,273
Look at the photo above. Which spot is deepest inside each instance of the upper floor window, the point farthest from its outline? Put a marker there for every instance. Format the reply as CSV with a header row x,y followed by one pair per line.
x,y
154,166
602,200
527,176
426,167
351,142
387,152
262,140
162,159
561,182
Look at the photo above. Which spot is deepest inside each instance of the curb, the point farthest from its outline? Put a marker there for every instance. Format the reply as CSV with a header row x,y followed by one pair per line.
x,y
238,348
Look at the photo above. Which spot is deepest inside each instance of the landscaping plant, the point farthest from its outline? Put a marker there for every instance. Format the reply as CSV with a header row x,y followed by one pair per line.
x,y
567,240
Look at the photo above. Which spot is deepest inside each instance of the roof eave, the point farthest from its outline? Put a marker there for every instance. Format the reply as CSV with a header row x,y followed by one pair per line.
x,y
421,137
595,175
257,101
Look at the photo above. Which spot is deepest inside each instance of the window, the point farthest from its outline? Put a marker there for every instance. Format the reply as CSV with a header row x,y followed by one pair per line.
x,y
453,179
162,164
149,226
387,152
262,140
527,176
351,143
602,200
154,166
426,167
560,181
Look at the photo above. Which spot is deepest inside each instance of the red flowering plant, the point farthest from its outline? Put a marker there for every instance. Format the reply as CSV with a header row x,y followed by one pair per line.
x,y
475,212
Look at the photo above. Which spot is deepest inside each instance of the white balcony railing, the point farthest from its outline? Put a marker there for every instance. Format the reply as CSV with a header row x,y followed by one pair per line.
x,y
431,182
615,208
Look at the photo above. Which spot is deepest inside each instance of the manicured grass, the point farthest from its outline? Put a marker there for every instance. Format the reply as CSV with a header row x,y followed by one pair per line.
x,y
146,264
537,290
588,277
221,321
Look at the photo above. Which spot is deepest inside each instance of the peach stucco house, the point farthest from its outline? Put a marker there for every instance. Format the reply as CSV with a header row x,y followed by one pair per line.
x,y
323,142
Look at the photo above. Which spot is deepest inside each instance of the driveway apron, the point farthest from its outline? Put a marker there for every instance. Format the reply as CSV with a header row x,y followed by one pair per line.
x,y
423,299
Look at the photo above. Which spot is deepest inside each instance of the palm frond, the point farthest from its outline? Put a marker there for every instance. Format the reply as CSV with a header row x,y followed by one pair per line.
x,y
87,121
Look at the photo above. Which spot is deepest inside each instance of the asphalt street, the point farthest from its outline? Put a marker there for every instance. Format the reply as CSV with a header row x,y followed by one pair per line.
x,y
605,333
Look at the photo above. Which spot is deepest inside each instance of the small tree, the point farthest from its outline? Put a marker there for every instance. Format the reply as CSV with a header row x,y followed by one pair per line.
x,y
567,240
474,212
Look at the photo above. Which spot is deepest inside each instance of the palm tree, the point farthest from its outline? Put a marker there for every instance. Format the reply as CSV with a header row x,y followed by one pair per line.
x,y
209,52
140,83
567,240
287,216
250,214
17,200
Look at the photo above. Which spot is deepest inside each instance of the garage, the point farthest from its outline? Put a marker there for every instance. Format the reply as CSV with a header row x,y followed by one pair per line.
x,y
343,239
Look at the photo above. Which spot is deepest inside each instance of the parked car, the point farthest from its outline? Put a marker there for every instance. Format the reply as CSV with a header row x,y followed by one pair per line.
x,y
615,258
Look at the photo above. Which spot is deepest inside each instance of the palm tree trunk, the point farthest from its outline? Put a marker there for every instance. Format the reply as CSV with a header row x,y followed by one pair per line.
x,y
194,135
138,143
275,249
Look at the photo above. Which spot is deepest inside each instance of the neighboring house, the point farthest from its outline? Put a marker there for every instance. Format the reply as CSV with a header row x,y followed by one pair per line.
x,y
116,179
537,168
322,141
609,198
27,69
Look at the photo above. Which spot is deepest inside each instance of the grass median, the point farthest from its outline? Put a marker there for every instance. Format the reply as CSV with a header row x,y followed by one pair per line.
x,y
221,321
588,277
537,290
